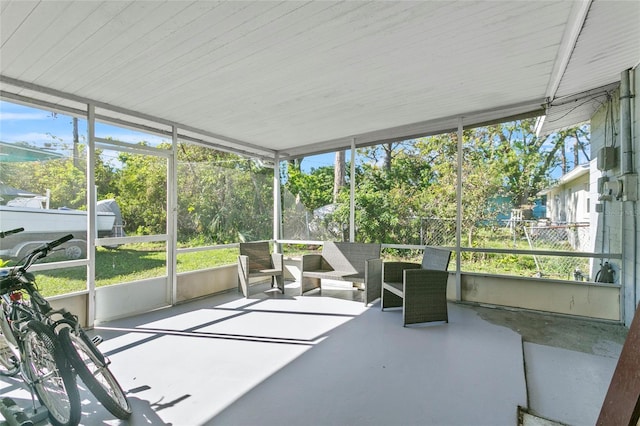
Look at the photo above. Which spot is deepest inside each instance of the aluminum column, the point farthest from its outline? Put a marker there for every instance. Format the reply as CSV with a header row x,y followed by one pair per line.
x,y
277,204
459,213
91,214
352,193
172,218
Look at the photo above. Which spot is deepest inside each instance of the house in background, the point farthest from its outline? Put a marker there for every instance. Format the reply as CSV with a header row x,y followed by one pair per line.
x,y
568,200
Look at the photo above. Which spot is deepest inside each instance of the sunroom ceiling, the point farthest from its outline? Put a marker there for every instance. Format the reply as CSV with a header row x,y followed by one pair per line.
x,y
298,78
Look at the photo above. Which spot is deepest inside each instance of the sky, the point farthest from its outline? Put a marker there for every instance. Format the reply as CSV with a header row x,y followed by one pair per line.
x,y
47,130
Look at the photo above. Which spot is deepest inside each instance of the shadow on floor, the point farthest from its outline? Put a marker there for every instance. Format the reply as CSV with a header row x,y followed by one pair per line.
x,y
326,359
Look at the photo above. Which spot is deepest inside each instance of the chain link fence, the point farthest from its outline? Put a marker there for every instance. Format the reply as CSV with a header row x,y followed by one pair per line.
x,y
515,235
508,234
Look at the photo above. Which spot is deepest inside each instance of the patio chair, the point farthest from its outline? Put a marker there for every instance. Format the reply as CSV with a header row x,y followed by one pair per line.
x,y
256,260
420,289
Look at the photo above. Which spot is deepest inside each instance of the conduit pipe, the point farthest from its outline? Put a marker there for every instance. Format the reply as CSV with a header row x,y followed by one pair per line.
x,y
629,221
625,123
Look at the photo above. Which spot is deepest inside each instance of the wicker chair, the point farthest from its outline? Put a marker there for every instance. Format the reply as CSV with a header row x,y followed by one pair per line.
x,y
420,289
256,260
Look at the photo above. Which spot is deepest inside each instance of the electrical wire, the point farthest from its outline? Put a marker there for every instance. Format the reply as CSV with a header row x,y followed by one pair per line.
x,y
611,124
592,98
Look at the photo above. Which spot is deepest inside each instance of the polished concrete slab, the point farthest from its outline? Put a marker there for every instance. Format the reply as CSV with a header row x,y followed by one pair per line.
x,y
320,359
316,360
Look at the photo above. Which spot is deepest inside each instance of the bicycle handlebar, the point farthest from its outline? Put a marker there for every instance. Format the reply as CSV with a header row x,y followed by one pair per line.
x,y
12,231
56,243
41,252
18,273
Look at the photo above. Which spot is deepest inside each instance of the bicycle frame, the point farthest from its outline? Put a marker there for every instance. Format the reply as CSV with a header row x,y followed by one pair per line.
x,y
15,310
15,313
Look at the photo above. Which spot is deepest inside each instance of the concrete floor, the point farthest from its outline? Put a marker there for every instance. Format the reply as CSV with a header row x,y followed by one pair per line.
x,y
569,362
326,359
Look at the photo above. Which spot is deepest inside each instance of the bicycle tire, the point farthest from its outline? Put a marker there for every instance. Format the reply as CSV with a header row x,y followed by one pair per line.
x,y
9,365
51,375
95,373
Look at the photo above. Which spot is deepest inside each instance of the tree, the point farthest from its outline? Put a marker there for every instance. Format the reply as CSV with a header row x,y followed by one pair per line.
x,y
141,183
64,177
338,174
526,160
313,189
386,198
222,197
505,161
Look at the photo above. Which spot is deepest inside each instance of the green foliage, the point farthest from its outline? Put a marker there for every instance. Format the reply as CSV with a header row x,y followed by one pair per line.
x,y
64,177
141,184
401,186
222,198
405,183
314,189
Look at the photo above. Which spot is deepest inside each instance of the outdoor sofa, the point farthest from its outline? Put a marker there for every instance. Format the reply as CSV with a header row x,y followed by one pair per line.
x,y
359,263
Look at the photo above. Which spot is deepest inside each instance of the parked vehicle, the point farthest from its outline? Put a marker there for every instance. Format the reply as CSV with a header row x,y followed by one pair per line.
x,y
42,224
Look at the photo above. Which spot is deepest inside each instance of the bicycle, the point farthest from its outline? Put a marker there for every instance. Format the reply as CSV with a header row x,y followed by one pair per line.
x,y
9,365
32,344
91,364
79,349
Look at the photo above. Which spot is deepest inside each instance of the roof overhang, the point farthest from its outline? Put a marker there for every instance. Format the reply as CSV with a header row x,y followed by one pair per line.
x,y
16,153
567,178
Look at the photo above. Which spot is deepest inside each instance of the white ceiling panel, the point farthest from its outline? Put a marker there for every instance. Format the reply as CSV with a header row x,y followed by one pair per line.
x,y
609,43
305,77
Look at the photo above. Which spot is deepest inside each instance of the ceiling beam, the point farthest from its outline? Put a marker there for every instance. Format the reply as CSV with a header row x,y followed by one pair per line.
x,y
574,26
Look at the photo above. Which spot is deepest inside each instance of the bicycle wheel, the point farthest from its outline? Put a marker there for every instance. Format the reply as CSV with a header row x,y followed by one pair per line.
x,y
9,365
51,375
95,373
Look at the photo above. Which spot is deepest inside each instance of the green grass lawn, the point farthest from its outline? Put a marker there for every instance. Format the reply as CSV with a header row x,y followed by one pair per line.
x,y
140,261
119,265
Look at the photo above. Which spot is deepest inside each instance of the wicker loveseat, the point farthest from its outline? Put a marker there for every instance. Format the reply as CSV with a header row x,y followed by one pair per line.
x,y
420,289
353,262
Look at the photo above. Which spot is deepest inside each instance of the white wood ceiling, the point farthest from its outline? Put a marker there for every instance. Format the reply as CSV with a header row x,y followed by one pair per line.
x,y
304,77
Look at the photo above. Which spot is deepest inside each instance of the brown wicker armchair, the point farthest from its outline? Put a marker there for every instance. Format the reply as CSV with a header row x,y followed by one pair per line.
x,y
420,289
256,260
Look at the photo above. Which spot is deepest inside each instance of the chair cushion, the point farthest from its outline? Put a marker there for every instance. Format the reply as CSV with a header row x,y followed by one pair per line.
x,y
335,275
394,287
265,272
